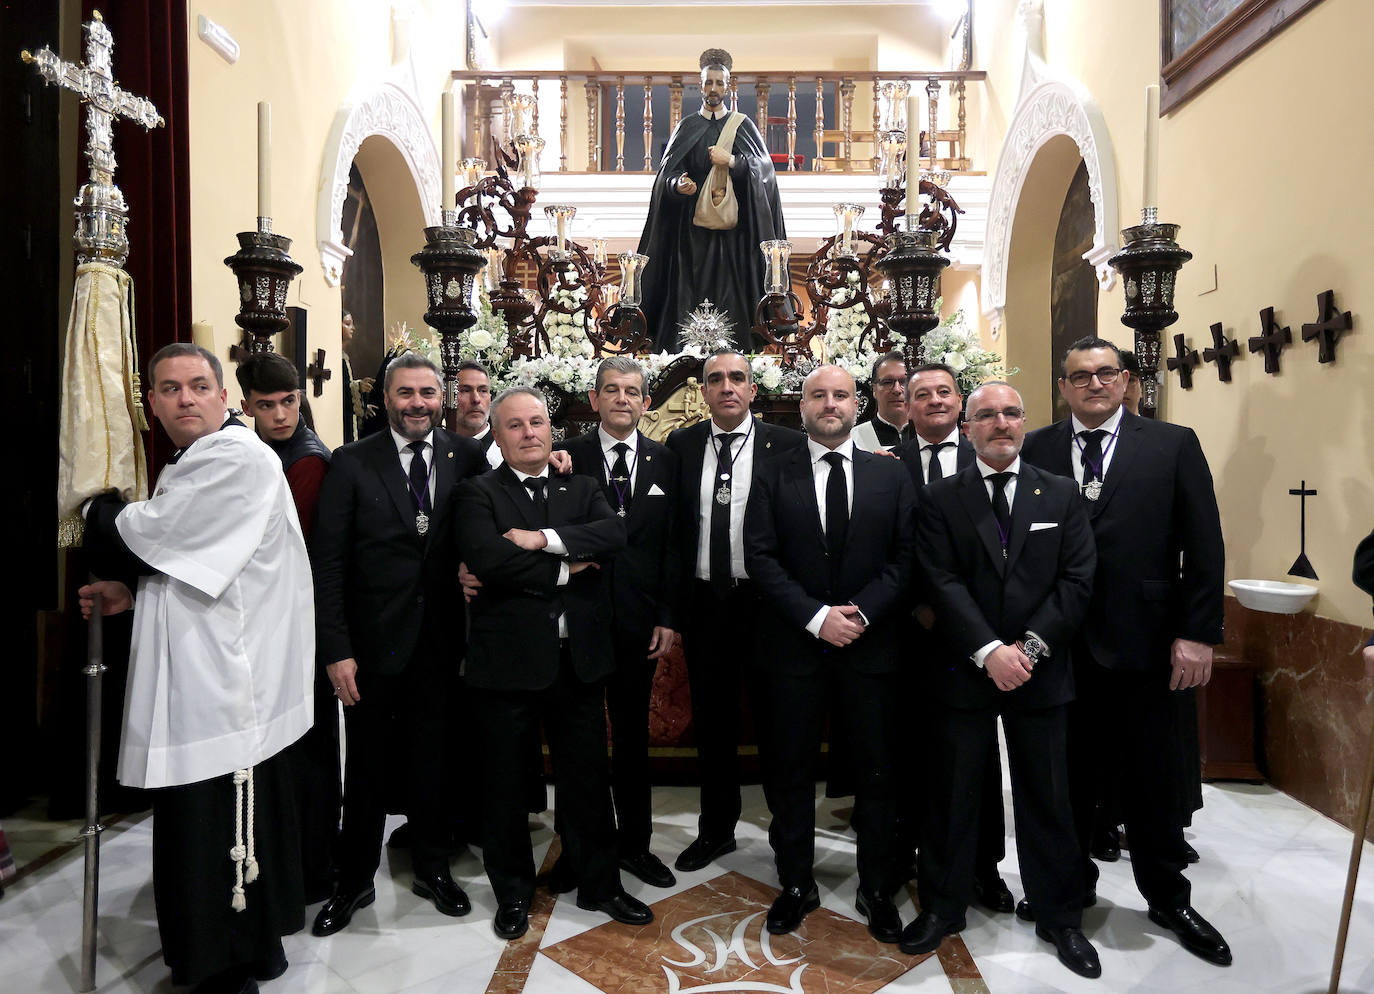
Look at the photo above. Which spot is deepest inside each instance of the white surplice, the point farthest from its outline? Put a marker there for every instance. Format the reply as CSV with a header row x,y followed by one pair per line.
x,y
221,668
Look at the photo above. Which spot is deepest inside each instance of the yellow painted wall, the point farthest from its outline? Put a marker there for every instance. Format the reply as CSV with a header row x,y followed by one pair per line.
x,y
1268,172
304,58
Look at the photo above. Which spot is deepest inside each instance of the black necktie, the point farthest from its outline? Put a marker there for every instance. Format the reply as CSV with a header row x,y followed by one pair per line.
x,y
535,485
720,515
1092,454
836,513
419,476
619,491
1001,510
936,471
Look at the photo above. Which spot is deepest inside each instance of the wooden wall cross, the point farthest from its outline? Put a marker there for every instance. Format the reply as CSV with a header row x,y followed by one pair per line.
x,y
1182,362
1222,352
1271,340
317,372
1328,326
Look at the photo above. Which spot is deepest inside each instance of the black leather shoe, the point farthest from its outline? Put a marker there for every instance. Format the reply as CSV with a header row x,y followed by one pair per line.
x,y
1106,844
561,878
702,852
447,896
1075,951
400,837
925,934
649,868
790,907
338,911
270,968
884,924
512,919
622,907
994,895
1196,934
1026,913
1189,854
233,981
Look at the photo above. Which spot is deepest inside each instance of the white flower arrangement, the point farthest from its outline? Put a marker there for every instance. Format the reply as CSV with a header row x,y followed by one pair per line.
x,y
487,341
568,332
844,326
956,344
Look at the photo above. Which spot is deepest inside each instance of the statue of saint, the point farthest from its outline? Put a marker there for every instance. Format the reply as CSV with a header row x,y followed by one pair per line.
x,y
690,263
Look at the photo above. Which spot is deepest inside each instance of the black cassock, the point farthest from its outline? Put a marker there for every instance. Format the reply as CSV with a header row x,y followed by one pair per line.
x,y
687,263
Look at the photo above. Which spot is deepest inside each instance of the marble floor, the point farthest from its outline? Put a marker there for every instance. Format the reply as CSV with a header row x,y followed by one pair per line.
x,y
1270,879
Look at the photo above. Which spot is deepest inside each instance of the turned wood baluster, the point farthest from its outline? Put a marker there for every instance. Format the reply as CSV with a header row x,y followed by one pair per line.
x,y
562,124
734,93
876,125
593,90
791,123
761,89
481,121
820,122
648,123
963,134
847,92
534,107
507,102
933,99
620,124
674,104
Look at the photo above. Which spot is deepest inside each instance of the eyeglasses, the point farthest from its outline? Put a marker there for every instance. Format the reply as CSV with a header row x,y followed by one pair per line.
x,y
1010,413
888,382
1105,375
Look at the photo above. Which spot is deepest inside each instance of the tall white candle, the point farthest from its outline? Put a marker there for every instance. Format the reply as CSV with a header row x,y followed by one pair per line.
x,y
450,156
1151,190
264,159
562,232
913,153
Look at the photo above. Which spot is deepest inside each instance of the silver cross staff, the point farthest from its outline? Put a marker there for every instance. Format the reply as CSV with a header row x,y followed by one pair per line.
x,y
101,214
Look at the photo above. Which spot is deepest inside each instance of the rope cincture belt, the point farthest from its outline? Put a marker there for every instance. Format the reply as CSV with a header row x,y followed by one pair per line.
x,y
245,862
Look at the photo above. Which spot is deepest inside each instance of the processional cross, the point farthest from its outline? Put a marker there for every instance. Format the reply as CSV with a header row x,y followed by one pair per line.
x,y
1271,340
101,213
1182,362
1223,350
317,372
1328,327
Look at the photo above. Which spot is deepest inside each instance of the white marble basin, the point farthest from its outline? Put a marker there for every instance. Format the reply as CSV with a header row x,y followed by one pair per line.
x,y
1274,596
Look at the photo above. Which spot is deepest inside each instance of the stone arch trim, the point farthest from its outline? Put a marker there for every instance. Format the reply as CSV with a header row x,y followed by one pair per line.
x,y
390,112
1047,109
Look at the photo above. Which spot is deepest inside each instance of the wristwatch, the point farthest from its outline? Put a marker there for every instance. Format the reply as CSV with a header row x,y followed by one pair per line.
x,y
1034,649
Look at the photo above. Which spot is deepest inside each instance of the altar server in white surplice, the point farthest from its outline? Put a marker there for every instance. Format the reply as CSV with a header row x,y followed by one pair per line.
x,y
220,677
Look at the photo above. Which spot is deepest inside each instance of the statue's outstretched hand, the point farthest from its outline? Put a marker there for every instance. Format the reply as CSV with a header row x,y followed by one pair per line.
x,y
686,185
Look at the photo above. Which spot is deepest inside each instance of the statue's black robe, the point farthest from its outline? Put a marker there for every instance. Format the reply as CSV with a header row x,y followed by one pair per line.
x,y
688,264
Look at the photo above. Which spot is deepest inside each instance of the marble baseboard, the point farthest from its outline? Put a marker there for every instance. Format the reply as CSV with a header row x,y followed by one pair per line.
x,y
1318,705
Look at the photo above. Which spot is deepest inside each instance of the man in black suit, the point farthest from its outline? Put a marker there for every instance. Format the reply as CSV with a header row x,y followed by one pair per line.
x,y
1008,556
828,541
640,479
1156,612
720,459
474,407
938,450
540,648
385,582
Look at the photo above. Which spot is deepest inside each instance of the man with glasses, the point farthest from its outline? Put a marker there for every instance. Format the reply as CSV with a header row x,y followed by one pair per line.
x,y
1155,615
889,426
1008,556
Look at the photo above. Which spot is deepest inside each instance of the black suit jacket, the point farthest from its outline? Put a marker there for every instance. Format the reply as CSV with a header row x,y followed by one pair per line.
x,y
513,641
785,554
910,454
645,576
1160,555
1043,584
374,574
689,445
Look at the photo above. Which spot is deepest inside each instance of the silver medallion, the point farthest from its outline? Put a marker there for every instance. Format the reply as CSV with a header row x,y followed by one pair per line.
x,y
621,512
1093,489
422,522
723,495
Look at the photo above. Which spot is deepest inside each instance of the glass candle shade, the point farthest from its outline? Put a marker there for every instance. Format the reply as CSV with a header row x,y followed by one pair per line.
x,y
845,217
560,224
631,267
777,254
530,148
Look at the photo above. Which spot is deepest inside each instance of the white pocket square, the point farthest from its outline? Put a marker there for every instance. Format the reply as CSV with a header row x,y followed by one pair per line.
x,y
656,491
1042,525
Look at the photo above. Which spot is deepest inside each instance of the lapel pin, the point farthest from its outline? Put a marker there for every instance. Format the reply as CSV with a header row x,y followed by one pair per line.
x,y
1037,491
648,458
767,445
450,455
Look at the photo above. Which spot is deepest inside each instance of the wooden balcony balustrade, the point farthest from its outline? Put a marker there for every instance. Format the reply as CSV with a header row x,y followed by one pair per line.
x,y
489,97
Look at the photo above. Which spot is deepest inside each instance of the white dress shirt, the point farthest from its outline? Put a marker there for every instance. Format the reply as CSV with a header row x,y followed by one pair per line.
x,y
949,456
406,453
608,456
555,546
820,472
493,453
1111,426
741,478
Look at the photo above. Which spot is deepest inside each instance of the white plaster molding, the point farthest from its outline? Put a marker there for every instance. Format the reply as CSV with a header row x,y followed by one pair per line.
x,y
1051,107
388,110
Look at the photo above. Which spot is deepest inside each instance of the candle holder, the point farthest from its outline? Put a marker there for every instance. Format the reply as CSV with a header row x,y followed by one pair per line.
x,y
599,256
1148,263
912,266
894,94
530,148
560,221
845,242
891,148
775,315
470,171
449,262
631,268
264,270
